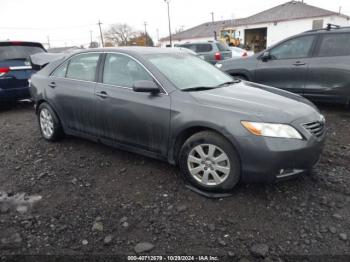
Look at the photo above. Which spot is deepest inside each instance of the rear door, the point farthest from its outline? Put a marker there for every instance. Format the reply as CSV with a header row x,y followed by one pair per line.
x,y
71,89
329,70
15,68
287,67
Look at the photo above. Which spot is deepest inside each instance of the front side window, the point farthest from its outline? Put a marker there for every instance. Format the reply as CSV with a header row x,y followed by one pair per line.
x,y
187,71
121,70
335,45
295,48
83,67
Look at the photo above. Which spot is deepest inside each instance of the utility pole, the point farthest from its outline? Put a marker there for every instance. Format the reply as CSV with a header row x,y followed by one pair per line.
x,y
167,2
99,25
48,42
145,23
212,17
90,38
157,35
212,22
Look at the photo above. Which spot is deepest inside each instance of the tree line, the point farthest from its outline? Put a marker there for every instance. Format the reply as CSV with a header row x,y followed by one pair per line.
x,y
125,35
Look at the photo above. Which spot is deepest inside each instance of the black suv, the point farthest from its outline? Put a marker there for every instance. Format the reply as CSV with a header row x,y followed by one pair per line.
x,y
315,64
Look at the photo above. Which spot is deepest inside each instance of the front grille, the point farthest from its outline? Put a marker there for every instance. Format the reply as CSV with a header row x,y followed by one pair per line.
x,y
316,128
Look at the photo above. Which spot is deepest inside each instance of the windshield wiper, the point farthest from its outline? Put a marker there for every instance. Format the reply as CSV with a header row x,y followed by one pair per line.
x,y
198,88
229,83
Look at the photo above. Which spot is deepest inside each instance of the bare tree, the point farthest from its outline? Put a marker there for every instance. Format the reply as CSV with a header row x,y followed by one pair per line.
x,y
119,34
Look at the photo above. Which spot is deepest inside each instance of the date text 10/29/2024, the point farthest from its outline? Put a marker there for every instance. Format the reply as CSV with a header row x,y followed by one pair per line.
x,y
173,258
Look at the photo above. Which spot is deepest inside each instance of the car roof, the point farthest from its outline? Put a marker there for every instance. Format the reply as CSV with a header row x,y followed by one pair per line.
x,y
328,30
135,50
8,42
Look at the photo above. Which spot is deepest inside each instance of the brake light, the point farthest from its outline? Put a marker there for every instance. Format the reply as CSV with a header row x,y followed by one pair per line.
x,y
4,70
244,54
217,56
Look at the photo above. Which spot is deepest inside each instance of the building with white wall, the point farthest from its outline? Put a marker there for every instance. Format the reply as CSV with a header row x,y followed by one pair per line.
x,y
265,28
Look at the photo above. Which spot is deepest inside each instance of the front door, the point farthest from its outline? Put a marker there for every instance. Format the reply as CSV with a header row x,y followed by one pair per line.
x,y
135,119
287,65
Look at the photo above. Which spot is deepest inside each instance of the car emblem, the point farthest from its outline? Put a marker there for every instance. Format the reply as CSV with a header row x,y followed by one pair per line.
x,y
27,63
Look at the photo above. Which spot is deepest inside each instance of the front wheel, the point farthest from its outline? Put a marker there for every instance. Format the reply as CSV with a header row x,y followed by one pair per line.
x,y
49,123
210,162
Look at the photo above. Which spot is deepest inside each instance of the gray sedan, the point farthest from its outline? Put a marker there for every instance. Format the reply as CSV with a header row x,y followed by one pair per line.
x,y
171,105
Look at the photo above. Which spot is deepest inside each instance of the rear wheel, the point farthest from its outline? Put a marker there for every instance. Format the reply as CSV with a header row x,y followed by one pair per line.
x,y
209,162
49,123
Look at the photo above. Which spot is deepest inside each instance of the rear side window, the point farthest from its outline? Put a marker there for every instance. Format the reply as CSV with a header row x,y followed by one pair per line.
x,y
202,48
83,67
335,45
12,52
61,71
121,70
222,47
294,48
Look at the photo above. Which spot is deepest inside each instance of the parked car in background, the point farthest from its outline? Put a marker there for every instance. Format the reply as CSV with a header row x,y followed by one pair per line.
x,y
171,105
315,64
211,51
238,52
15,69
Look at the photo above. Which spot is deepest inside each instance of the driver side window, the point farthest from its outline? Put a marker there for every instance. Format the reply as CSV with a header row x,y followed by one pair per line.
x,y
121,70
295,48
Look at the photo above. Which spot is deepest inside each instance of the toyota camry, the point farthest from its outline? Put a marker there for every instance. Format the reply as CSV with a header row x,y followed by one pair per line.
x,y
171,105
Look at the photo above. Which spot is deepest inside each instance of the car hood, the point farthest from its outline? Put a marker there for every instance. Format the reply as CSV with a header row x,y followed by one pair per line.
x,y
257,101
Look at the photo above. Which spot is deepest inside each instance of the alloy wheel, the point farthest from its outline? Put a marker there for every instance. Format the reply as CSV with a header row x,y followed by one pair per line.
x,y
208,164
46,123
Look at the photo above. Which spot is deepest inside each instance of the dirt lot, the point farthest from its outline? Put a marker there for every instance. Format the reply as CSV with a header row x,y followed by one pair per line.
x,y
89,198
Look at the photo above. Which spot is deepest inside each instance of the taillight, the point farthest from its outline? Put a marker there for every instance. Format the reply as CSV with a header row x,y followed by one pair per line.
x,y
217,56
4,70
244,54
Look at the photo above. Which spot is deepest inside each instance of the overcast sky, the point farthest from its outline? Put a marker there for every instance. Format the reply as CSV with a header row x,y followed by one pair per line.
x,y
68,22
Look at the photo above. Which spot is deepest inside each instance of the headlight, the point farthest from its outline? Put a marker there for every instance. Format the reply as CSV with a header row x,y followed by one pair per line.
x,y
218,65
272,130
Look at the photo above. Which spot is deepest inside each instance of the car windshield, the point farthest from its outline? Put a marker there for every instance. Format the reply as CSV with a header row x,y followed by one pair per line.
x,y
188,72
12,52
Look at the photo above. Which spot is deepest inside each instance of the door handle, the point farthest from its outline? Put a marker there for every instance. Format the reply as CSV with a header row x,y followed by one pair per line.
x,y
299,63
52,85
102,94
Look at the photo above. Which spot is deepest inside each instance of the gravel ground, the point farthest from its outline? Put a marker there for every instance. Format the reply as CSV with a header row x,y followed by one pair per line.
x,y
83,198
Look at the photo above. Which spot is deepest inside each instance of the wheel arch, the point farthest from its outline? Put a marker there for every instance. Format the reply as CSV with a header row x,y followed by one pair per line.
x,y
180,138
246,74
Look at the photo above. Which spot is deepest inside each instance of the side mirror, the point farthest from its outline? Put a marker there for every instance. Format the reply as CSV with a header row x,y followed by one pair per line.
x,y
145,86
266,56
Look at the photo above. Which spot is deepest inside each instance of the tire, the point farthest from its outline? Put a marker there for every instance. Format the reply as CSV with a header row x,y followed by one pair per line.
x,y
213,146
49,123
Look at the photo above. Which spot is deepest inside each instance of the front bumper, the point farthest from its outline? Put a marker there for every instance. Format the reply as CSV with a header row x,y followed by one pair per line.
x,y
266,159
